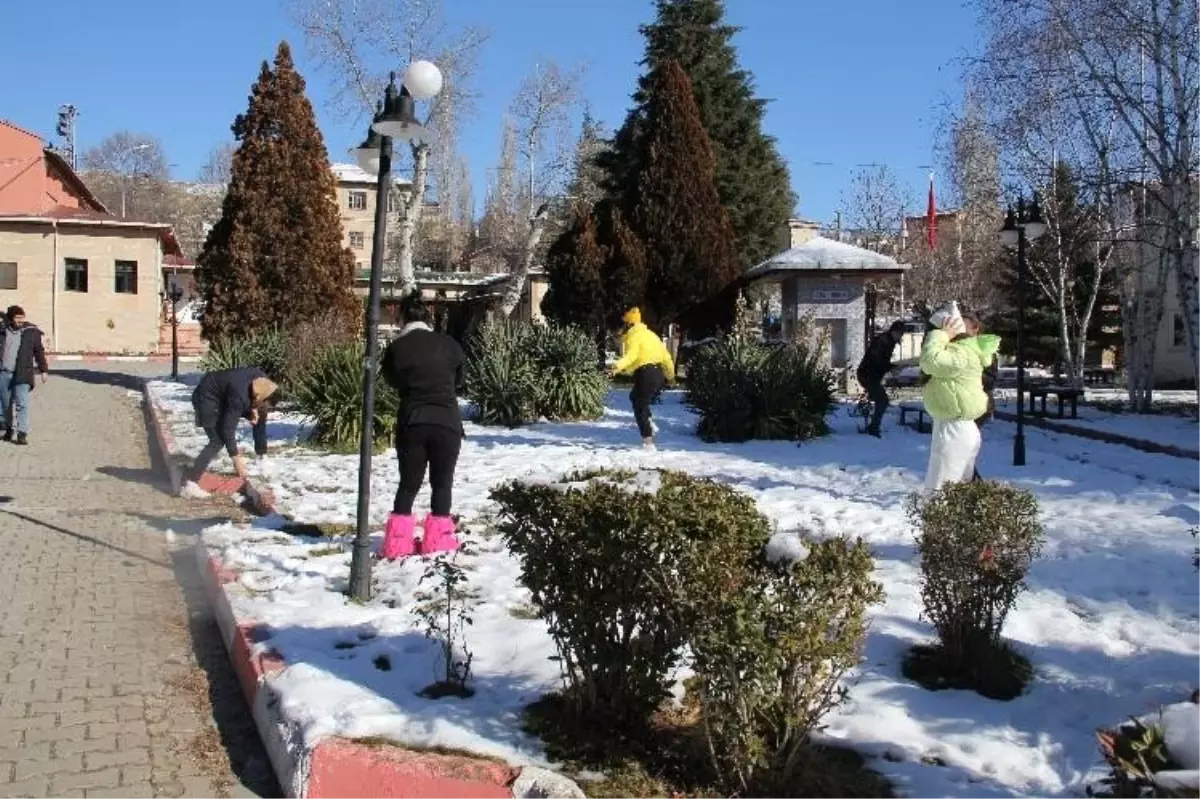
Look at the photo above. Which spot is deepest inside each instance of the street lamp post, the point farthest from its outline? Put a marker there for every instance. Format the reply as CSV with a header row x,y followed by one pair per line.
x,y
173,294
124,178
1021,226
395,118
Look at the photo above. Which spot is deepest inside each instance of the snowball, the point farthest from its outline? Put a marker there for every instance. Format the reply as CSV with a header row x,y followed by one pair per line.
x,y
786,548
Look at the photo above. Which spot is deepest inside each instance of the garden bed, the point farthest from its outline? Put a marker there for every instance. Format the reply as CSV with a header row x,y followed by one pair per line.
x,y
1109,622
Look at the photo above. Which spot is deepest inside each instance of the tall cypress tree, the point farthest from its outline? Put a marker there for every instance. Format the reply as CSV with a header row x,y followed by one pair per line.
x,y
574,266
752,179
679,216
625,274
275,257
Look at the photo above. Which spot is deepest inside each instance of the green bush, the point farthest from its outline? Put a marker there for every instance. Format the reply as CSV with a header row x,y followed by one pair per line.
x,y
976,541
330,394
769,660
267,351
744,389
607,558
519,372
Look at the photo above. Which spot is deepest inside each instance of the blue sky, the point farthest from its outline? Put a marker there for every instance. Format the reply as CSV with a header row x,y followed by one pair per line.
x,y
866,81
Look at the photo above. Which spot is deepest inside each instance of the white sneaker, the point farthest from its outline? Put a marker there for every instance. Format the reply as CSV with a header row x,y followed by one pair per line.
x,y
190,490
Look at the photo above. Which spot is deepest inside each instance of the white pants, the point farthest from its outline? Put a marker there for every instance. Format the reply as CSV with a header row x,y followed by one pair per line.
x,y
952,453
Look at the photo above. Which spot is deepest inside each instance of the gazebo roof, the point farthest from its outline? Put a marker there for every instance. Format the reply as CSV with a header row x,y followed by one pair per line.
x,y
826,255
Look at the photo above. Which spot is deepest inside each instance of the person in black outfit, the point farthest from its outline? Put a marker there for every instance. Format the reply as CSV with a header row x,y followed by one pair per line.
x,y
425,368
220,400
875,365
22,356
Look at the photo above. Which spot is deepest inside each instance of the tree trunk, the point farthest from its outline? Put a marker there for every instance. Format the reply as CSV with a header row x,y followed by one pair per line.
x,y
512,294
405,280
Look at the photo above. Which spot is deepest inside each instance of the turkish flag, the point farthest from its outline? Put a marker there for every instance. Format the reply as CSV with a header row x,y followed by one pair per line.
x,y
931,218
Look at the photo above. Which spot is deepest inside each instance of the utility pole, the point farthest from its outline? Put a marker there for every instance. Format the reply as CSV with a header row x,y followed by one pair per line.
x,y
66,129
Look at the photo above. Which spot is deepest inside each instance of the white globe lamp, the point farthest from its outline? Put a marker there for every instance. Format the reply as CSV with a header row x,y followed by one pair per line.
x,y
423,80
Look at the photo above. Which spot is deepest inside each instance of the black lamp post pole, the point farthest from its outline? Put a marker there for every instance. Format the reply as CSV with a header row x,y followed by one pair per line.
x,y
174,335
360,562
1022,247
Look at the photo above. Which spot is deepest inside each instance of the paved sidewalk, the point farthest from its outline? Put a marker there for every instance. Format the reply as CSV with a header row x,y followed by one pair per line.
x,y
115,681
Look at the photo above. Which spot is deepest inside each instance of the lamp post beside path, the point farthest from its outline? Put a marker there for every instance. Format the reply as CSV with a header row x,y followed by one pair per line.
x,y
395,118
1021,226
173,294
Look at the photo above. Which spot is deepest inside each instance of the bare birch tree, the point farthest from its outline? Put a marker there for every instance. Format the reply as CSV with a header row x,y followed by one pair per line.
x,y
1126,75
130,173
542,111
219,166
874,208
357,43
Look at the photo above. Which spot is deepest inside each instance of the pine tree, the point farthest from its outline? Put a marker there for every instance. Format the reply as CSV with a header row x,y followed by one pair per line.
x,y
752,179
275,257
679,216
625,275
574,267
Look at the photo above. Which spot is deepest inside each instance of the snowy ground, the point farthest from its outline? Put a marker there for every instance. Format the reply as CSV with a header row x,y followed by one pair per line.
x,y
1110,618
1164,428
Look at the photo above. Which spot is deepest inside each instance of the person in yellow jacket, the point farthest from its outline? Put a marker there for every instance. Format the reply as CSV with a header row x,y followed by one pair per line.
x,y
645,356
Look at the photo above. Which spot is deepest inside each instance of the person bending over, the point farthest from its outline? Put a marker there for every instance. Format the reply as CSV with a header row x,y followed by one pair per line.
x,y
873,368
645,356
222,399
425,369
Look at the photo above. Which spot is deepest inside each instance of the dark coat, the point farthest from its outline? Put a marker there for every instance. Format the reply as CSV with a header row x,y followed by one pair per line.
x,y
426,369
877,361
222,398
31,355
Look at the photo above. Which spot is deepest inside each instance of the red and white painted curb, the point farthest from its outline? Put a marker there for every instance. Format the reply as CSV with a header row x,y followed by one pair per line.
x,y
162,436
340,767
101,358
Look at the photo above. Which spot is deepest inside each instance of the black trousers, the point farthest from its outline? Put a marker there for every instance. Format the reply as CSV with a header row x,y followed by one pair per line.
x,y
879,399
210,451
422,446
648,381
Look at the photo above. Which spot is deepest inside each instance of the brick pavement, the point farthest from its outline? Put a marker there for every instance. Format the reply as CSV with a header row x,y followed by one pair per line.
x,y
115,680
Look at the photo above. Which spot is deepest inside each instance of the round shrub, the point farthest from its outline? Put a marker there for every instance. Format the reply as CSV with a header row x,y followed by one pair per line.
x,y
743,389
606,556
976,541
266,350
330,393
518,372
769,660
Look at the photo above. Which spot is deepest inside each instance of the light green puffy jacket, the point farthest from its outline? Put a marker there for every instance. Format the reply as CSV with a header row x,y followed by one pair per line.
x,y
955,369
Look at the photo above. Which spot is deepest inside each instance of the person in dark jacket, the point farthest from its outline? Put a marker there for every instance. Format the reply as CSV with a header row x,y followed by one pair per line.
x,y
220,401
21,356
873,368
425,368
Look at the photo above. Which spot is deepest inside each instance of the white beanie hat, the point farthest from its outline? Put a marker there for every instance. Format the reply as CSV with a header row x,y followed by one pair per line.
x,y
947,317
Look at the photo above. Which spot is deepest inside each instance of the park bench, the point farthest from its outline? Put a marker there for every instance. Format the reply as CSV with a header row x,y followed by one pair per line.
x,y
1061,394
916,407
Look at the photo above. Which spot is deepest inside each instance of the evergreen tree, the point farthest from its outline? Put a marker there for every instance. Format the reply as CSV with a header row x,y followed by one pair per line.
x,y
1060,275
275,257
574,267
752,179
586,185
625,275
679,216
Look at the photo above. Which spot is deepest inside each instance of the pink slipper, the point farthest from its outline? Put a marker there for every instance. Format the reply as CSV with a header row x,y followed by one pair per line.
x,y
439,535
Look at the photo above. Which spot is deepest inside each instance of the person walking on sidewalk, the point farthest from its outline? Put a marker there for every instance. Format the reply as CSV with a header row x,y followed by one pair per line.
x,y
645,356
873,368
425,368
21,356
954,395
221,399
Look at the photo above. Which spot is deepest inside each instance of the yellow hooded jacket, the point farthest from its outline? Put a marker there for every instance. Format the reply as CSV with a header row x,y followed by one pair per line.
x,y
640,347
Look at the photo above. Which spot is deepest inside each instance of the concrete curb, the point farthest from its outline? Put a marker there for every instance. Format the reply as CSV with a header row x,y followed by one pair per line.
x,y
99,358
338,767
163,437
1102,435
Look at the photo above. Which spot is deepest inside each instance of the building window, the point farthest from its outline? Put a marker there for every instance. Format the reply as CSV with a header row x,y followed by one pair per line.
x,y
358,201
76,274
125,281
8,276
393,203
357,239
1179,332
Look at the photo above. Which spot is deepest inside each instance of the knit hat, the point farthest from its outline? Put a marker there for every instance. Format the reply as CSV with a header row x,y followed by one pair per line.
x,y
632,317
262,389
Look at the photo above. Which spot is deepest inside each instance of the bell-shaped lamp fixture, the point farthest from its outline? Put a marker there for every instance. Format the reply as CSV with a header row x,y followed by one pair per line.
x,y
366,155
1009,234
1034,224
399,118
